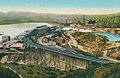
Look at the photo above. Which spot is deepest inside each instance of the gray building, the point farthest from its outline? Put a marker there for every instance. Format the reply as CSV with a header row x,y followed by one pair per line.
x,y
5,39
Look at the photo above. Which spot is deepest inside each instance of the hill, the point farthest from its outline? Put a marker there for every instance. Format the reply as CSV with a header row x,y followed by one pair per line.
x,y
23,17
111,20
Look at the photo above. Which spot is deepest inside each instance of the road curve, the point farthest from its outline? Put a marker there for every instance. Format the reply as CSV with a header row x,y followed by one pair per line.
x,y
30,40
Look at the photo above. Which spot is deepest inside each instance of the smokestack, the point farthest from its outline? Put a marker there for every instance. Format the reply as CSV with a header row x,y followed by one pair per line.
x,y
83,19
66,21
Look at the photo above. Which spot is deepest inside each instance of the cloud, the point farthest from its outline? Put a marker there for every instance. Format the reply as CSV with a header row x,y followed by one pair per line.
x,y
87,11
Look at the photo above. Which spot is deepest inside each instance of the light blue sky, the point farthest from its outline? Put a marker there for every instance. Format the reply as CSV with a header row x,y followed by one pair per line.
x,y
62,6
61,3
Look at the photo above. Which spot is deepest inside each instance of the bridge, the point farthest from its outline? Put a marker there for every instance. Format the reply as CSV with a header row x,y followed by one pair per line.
x,y
68,59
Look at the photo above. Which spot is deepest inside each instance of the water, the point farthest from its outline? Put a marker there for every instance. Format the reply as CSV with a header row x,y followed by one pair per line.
x,y
15,29
80,30
110,36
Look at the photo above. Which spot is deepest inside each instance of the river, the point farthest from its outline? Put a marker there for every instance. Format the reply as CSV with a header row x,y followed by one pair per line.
x,y
13,30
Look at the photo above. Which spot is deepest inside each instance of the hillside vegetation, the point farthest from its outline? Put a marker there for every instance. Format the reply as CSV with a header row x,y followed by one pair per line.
x,y
94,71
112,20
26,17
96,43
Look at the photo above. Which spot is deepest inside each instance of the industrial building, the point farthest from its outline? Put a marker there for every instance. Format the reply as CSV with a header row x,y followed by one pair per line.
x,y
5,39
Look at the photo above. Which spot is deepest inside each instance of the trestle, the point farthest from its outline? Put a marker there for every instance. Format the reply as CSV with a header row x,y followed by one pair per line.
x,y
36,56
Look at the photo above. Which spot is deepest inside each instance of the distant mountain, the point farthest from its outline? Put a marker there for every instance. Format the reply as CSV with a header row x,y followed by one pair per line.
x,y
43,15
25,17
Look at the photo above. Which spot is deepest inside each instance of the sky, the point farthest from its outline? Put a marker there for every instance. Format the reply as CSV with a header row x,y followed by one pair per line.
x,y
62,6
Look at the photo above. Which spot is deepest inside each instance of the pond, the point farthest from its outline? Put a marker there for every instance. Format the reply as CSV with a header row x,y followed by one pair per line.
x,y
110,36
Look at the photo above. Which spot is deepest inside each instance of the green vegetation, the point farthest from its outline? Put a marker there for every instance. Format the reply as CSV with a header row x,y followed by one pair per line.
x,y
111,20
108,71
45,72
94,71
6,73
97,71
113,53
24,20
34,71
108,20
88,73
26,17
95,42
